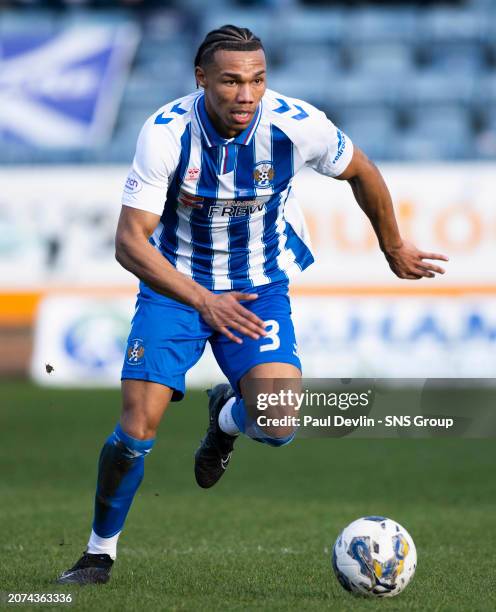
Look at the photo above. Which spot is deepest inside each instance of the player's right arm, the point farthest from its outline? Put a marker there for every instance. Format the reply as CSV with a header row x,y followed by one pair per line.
x,y
221,311
156,159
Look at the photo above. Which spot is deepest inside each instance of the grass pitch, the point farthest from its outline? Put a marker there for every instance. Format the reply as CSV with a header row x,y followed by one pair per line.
x,y
261,538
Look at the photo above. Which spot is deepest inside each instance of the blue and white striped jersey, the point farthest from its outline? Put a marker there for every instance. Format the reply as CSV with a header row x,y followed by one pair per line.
x,y
229,218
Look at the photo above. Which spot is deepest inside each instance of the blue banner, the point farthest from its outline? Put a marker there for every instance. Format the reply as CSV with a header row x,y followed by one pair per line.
x,y
63,90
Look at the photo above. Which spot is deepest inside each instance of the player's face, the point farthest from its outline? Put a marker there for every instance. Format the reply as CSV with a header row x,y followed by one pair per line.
x,y
234,83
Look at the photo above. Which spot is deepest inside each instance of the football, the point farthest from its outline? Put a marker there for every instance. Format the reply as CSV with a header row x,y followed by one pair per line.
x,y
375,557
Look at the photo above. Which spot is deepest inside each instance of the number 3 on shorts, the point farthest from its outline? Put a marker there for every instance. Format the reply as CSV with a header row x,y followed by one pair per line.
x,y
272,329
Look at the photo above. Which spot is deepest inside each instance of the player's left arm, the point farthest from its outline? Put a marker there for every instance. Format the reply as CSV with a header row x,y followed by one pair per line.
x,y
373,196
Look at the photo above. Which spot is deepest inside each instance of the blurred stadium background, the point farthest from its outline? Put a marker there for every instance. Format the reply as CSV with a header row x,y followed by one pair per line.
x,y
413,84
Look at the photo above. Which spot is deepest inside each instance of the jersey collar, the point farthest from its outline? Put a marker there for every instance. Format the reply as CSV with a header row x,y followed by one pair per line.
x,y
212,138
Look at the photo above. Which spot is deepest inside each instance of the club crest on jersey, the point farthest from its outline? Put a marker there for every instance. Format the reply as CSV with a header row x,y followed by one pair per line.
x,y
189,200
264,175
135,353
192,174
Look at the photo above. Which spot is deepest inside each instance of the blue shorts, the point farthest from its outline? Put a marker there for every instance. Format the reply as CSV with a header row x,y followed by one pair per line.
x,y
167,338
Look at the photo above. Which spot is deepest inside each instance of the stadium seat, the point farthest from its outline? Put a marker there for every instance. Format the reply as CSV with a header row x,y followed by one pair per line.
x,y
487,89
142,93
79,16
392,58
439,132
485,141
301,85
259,21
358,89
489,121
453,24
315,25
377,149
167,23
373,129
440,86
14,22
355,120
123,144
163,51
369,24
457,57
480,4
411,147
324,58
445,117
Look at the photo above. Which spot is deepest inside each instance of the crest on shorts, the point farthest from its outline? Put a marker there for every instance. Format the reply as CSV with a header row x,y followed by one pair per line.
x,y
264,174
135,352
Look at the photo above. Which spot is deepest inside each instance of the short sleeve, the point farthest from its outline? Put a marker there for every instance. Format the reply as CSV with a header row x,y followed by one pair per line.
x,y
332,149
155,161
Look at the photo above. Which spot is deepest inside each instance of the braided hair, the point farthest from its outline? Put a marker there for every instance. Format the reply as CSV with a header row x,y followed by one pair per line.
x,y
228,37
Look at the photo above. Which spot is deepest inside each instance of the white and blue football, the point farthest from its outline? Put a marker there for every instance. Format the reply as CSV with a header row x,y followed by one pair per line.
x,y
374,556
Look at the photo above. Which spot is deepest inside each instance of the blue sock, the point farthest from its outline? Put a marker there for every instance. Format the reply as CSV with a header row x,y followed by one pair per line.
x,y
251,429
120,472
238,414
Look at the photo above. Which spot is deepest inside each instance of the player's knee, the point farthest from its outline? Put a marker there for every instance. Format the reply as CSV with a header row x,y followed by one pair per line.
x,y
138,425
141,432
142,408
